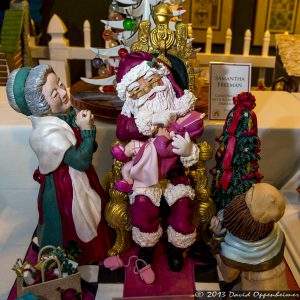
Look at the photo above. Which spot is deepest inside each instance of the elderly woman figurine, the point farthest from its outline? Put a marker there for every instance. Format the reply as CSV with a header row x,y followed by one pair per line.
x,y
71,199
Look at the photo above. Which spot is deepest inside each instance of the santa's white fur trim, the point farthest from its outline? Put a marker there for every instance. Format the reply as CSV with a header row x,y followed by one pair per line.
x,y
154,193
143,121
189,161
180,240
174,192
136,73
146,239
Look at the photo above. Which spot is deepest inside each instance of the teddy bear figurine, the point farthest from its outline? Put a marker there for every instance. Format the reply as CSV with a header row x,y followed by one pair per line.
x,y
251,243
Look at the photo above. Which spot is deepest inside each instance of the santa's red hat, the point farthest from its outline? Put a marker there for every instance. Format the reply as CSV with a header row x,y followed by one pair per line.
x,y
135,65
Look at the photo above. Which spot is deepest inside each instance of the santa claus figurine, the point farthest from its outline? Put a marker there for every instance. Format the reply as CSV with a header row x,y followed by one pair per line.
x,y
160,128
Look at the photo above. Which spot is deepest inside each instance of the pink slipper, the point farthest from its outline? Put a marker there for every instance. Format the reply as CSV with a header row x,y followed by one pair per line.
x,y
113,262
147,274
123,186
118,152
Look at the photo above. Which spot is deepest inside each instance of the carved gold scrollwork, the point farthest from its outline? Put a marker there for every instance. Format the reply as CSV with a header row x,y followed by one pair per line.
x,y
204,207
143,35
162,38
116,211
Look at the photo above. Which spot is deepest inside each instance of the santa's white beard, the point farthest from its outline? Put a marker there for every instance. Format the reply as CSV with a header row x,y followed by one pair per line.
x,y
163,100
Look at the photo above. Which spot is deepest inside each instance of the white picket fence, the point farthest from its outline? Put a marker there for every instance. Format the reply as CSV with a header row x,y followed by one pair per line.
x,y
59,50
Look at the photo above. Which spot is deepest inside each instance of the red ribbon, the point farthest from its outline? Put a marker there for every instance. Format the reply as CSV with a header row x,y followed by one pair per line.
x,y
226,165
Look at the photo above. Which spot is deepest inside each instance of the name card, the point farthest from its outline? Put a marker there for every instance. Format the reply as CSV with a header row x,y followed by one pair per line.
x,y
226,81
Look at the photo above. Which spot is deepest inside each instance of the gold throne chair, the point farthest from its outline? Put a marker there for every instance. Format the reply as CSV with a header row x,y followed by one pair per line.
x,y
165,44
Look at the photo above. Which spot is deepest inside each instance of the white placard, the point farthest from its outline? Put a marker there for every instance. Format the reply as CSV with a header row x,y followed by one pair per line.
x,y
226,81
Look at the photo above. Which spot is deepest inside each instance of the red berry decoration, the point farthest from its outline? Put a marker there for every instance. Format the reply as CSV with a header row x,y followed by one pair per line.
x,y
97,62
122,52
129,24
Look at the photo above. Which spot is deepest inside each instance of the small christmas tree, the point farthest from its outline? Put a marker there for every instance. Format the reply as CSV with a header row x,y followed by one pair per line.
x,y
237,156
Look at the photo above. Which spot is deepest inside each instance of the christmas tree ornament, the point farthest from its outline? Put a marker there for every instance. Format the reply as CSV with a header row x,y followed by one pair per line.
x,y
112,43
103,72
129,24
107,89
107,35
114,7
115,16
97,62
111,70
122,52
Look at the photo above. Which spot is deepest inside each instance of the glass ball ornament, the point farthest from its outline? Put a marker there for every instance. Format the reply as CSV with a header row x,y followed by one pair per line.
x,y
111,70
114,7
97,62
112,43
122,52
107,35
129,24
103,72
115,16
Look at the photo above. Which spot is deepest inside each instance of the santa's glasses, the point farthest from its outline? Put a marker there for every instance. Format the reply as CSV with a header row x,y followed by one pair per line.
x,y
145,86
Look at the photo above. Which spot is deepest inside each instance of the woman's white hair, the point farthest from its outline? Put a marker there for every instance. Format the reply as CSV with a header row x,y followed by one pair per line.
x,y
10,90
33,95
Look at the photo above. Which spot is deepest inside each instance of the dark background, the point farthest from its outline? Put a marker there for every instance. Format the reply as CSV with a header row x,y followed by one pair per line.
x,y
75,12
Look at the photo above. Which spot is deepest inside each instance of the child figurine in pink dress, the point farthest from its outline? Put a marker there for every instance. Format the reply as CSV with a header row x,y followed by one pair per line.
x,y
146,167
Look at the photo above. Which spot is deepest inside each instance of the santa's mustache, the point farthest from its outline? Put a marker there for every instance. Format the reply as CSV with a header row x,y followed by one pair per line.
x,y
143,99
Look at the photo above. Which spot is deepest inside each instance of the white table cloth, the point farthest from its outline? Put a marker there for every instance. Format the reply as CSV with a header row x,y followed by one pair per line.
x,y
279,129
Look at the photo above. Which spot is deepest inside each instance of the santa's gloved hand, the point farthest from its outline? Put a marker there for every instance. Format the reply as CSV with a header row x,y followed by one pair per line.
x,y
182,146
163,118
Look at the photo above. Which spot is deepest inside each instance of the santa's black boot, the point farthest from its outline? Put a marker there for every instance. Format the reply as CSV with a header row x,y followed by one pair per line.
x,y
175,258
145,254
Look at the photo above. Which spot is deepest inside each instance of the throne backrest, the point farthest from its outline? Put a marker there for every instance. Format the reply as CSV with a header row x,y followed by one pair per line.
x,y
172,47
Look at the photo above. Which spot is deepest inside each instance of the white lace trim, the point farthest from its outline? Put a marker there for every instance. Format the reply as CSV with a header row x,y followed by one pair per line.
x,y
174,192
180,240
135,73
153,193
146,239
189,161
143,121
185,103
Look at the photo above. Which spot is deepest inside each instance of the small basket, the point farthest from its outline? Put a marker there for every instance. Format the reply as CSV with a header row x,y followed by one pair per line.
x,y
50,290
